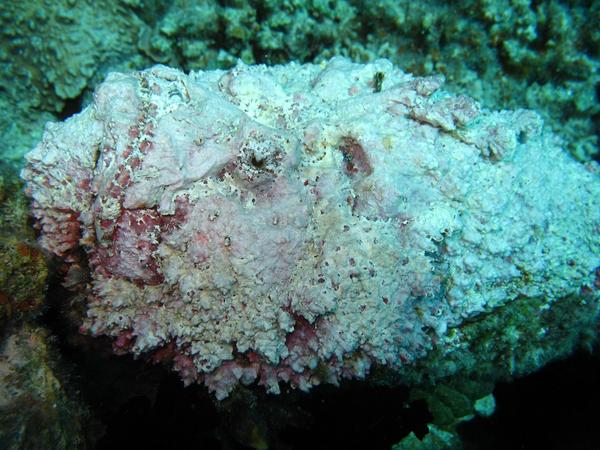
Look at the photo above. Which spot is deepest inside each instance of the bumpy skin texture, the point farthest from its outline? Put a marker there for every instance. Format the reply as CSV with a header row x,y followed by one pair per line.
x,y
301,223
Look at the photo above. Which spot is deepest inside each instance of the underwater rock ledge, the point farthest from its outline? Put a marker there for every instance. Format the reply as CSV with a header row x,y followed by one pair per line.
x,y
302,223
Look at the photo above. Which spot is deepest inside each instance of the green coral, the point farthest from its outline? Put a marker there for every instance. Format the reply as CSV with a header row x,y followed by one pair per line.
x,y
199,35
513,340
450,403
508,54
435,439
50,52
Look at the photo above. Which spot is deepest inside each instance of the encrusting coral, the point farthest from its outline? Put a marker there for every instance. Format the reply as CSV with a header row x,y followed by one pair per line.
x,y
301,223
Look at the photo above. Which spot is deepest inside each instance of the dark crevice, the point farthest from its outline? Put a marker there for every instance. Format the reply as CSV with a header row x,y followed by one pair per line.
x,y
71,107
551,409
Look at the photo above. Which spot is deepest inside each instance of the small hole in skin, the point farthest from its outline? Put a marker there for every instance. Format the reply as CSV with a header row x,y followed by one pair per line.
x,y
258,163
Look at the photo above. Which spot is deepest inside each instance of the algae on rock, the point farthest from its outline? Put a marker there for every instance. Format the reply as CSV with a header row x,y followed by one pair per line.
x,y
22,266
37,409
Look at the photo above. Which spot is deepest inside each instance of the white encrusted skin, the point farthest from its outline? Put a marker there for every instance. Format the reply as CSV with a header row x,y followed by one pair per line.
x,y
298,223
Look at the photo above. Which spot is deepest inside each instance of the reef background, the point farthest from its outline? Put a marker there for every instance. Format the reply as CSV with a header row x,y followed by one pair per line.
x,y
506,54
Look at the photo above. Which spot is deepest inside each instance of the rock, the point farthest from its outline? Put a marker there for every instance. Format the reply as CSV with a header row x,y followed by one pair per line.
x,y
36,409
23,272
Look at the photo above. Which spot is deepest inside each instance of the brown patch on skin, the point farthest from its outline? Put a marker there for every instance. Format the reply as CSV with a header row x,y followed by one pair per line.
x,y
85,184
124,342
165,354
134,132
355,157
23,250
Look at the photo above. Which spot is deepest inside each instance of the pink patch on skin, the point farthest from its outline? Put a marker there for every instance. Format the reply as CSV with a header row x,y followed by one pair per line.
x,y
128,151
123,342
170,223
145,146
355,157
115,191
165,354
303,333
123,179
72,229
149,129
106,223
199,248
84,184
95,261
134,132
186,368
133,246
252,357
65,234
135,163
141,221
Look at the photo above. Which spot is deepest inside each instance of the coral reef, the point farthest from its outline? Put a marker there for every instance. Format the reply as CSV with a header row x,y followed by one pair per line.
x,y
50,53
198,35
301,223
507,54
